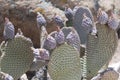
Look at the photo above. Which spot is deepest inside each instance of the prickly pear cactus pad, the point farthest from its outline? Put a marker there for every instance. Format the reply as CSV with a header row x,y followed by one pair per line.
x,y
100,50
59,36
65,64
76,43
18,56
77,22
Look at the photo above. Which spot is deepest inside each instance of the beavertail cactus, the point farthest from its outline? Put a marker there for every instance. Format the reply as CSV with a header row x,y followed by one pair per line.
x,y
50,43
113,22
102,16
77,22
69,13
9,31
100,50
59,36
87,23
72,37
58,20
18,56
65,64
41,20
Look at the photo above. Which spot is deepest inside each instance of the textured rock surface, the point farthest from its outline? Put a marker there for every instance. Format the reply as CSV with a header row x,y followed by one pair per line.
x,y
20,16
110,75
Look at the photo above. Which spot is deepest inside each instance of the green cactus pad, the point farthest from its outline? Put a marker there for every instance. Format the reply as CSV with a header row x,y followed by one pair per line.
x,y
65,64
100,50
18,56
77,22
66,31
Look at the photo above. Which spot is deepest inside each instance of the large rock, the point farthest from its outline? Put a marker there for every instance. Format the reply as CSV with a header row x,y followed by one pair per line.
x,y
20,15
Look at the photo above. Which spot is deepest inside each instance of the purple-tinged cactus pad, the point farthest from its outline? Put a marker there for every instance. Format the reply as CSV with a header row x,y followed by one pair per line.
x,y
72,37
9,31
69,14
41,20
102,18
87,24
77,22
113,23
59,37
50,43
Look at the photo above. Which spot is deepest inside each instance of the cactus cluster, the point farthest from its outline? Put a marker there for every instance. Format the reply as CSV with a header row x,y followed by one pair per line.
x,y
100,48
98,51
68,59
65,55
